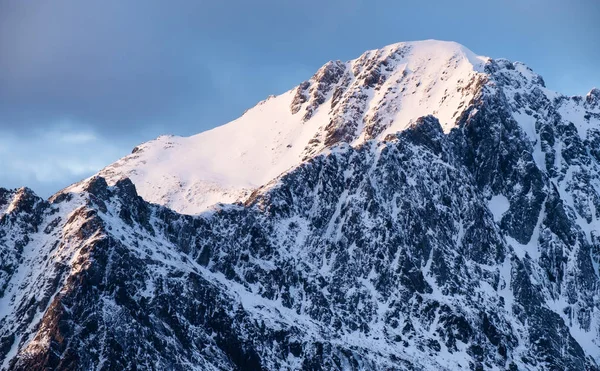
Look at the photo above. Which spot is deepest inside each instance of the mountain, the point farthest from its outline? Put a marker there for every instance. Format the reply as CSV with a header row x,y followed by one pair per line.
x,y
416,208
377,94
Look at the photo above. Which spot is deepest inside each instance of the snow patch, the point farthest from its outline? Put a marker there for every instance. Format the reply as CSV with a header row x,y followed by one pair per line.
x,y
498,205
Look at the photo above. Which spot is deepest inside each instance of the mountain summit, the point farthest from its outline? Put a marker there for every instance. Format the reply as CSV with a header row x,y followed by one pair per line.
x,y
419,207
377,94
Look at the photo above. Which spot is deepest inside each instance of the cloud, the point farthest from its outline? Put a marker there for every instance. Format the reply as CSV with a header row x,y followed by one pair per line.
x,y
112,64
126,65
49,160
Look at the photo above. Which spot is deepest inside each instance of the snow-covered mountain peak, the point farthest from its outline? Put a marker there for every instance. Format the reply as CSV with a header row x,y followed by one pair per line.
x,y
383,89
593,97
427,50
379,93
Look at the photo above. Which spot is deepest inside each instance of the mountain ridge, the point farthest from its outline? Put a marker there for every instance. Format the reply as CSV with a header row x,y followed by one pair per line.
x,y
281,132
376,94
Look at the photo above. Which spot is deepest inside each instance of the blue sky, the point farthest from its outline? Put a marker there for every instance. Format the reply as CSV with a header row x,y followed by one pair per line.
x,y
81,83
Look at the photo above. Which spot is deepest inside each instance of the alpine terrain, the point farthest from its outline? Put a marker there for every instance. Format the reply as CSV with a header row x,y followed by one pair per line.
x,y
417,208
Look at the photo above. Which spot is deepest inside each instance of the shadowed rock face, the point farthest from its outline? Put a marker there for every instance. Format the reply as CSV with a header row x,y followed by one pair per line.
x,y
390,255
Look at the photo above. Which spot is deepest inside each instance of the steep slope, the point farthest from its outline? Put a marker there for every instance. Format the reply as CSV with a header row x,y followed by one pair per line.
x,y
378,93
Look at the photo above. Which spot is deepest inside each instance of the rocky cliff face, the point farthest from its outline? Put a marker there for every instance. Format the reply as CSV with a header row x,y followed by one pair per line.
x,y
433,247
